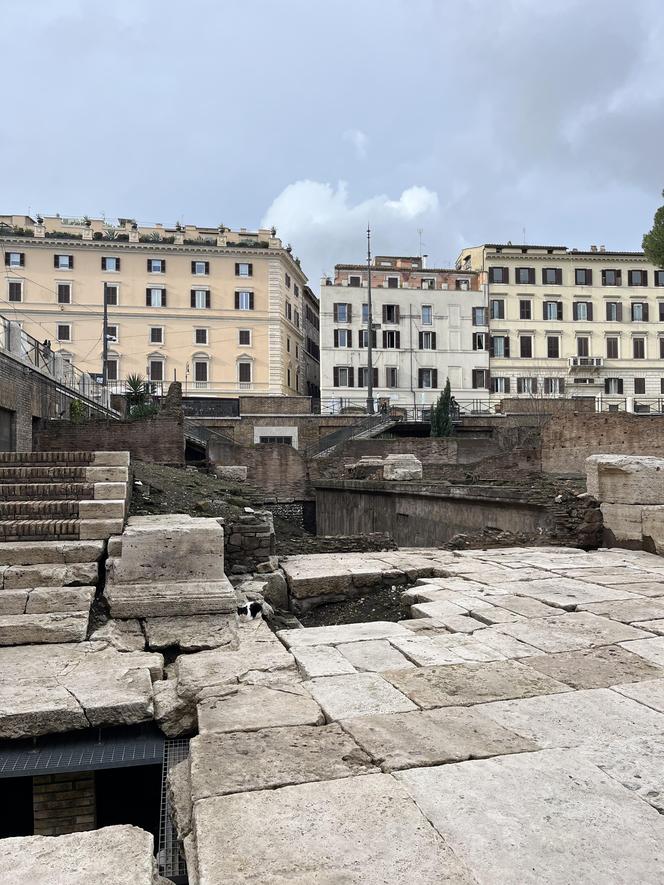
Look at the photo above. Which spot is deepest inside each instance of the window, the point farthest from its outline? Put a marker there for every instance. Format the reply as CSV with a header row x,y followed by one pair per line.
x,y
480,379
110,263
612,278
554,386
500,385
479,316
525,310
287,280
288,311
480,341
462,285
637,277
583,276
614,311
552,276
343,313
201,336
63,332
342,338
392,376
155,297
200,298
661,348
525,275
297,351
365,313
553,310
111,369
111,333
639,348
659,277
64,293
363,337
583,346
639,385
639,312
582,310
660,307
15,259
156,265
156,370
427,283
243,269
63,262
156,335
427,379
296,290
15,291
200,268
296,318
526,346
355,281
278,440
500,346
497,307
553,347
393,282
613,385
427,340
427,315
392,340
363,375
343,376
244,300
287,345
526,385
612,352
201,372
499,275
111,294
391,314
244,337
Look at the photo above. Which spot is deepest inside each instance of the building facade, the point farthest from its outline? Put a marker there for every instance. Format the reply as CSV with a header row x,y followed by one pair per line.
x,y
311,331
565,322
219,310
427,323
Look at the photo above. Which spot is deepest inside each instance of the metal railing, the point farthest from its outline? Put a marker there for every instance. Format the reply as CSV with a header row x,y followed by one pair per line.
x,y
371,422
203,435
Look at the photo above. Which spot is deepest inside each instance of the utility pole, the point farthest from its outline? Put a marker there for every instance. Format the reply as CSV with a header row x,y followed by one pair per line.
x,y
370,402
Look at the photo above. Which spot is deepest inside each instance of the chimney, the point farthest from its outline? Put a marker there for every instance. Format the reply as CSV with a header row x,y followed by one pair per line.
x,y
602,248
593,248
424,261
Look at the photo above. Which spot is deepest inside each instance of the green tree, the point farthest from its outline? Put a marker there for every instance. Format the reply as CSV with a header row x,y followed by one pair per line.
x,y
441,413
653,241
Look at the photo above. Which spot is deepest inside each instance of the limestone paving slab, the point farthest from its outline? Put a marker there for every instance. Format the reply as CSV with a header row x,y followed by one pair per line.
x,y
567,593
656,626
636,763
221,763
649,692
426,626
341,633
571,631
433,737
601,667
30,709
647,587
43,600
374,656
74,574
192,633
13,602
248,708
504,645
42,552
467,684
650,649
362,694
541,819
321,660
31,629
627,610
609,577
592,717
444,649
356,831
525,606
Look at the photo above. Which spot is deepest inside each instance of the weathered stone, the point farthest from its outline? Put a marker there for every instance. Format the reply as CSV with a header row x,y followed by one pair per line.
x,y
594,668
30,709
81,574
653,528
321,660
179,794
490,615
570,631
567,593
625,479
494,813
276,590
13,602
93,529
649,692
360,694
623,521
341,633
231,474
122,854
174,715
432,737
43,600
439,608
636,763
171,599
507,646
121,635
444,649
656,626
525,606
627,610
356,831
110,491
193,632
248,708
374,656
43,552
650,649
37,628
112,697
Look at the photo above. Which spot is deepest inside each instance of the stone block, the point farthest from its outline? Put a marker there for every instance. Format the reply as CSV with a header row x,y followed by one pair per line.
x,y
174,715
45,552
110,491
374,656
106,474
90,529
321,660
231,474
360,694
623,521
628,610
43,600
179,794
112,459
36,707
625,479
650,692
276,590
20,576
121,635
29,629
169,600
341,633
636,763
252,707
13,602
101,509
402,470
568,593
650,649
444,649
653,529
191,633
594,668
570,631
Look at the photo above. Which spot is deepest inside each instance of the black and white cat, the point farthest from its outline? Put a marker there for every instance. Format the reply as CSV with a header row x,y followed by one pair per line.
x,y
249,611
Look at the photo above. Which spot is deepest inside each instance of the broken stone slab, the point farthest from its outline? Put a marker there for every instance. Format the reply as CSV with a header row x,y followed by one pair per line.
x,y
440,608
494,813
507,646
406,471
43,600
231,474
437,626
653,528
656,626
112,698
595,667
252,707
174,715
433,737
467,684
567,593
525,606
623,522
636,763
179,796
374,656
356,830
121,635
295,755
444,649
360,694
32,629
341,633
650,692
491,615
652,588
570,631
594,717
13,602
74,574
124,853
321,660
31,708
625,479
276,590
191,633
44,552
650,649
627,610
171,599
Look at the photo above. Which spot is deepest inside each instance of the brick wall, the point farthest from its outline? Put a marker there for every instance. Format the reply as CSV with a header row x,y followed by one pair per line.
x,y
310,428
567,440
63,803
249,540
277,471
275,405
159,440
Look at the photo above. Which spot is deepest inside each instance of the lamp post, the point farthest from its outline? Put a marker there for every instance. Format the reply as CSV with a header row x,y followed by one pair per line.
x,y
370,402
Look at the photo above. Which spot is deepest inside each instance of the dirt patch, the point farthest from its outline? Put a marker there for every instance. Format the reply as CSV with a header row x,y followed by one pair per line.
x,y
383,604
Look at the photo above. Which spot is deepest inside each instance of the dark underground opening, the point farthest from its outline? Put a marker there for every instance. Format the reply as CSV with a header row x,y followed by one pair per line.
x,y
129,796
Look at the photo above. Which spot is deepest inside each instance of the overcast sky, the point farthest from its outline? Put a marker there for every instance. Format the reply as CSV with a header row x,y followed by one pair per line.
x,y
471,120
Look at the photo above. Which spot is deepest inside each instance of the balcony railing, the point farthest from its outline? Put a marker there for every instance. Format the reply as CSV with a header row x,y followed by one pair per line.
x,y
586,362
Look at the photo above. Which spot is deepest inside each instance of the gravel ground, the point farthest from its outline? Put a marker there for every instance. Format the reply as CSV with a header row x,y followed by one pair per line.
x,y
377,605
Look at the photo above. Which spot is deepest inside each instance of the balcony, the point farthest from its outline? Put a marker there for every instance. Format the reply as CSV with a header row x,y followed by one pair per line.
x,y
585,363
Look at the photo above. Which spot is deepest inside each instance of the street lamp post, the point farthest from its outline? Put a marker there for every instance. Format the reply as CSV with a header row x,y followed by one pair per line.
x,y
370,400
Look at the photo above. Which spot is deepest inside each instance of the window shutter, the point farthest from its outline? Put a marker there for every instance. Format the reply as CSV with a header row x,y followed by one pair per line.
x,y
163,265
71,262
103,263
397,314
55,261
251,301
433,340
207,299
507,385
163,297
606,385
351,377
335,376
620,385
561,386
375,377
148,298
193,298
384,313
349,309
531,275
575,311
349,338
619,312
645,313
560,310
398,340
604,283
589,308
7,259
336,338
434,379
193,267
384,339
421,340
507,345
335,312
544,311
237,300
237,269
589,278
117,263
618,278
559,276
207,267
491,345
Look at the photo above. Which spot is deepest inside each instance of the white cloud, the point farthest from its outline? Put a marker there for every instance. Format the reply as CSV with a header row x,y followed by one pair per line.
x,y
359,140
327,228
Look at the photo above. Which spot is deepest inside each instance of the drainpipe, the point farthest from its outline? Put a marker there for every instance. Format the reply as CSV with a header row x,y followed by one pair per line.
x,y
412,389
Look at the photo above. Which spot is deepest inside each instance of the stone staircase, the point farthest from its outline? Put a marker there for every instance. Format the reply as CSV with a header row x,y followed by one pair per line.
x,y
57,510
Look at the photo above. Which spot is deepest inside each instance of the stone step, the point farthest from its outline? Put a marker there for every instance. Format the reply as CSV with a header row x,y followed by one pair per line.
x,y
54,552
39,509
60,529
42,628
50,474
21,490
73,574
170,599
46,600
65,459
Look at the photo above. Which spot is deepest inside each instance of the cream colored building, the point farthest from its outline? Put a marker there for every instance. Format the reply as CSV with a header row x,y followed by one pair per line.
x,y
219,310
566,322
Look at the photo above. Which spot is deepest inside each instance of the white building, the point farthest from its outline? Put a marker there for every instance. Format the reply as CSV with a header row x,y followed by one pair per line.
x,y
430,324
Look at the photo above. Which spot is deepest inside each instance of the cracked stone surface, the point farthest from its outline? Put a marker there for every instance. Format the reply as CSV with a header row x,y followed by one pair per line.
x,y
595,667
361,694
192,632
250,707
374,656
571,631
321,660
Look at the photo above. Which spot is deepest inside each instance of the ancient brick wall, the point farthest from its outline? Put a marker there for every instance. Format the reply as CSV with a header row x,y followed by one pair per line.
x,y
63,803
275,405
159,440
310,428
567,440
249,540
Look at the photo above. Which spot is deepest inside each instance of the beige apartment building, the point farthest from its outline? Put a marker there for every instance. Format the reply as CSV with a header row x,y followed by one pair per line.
x,y
219,310
568,322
